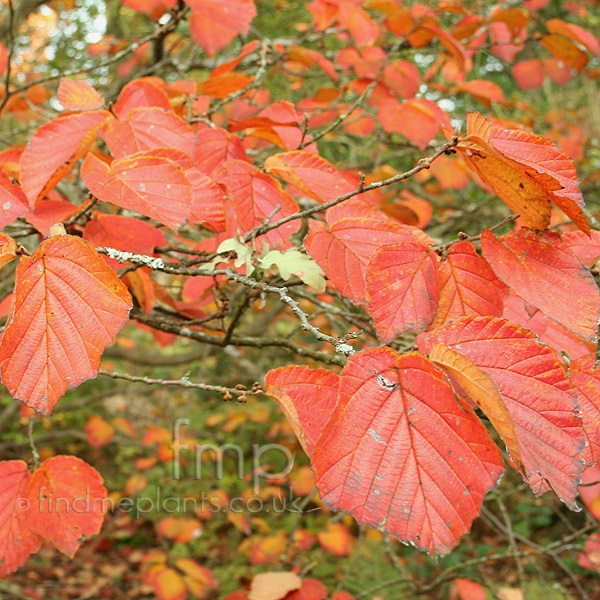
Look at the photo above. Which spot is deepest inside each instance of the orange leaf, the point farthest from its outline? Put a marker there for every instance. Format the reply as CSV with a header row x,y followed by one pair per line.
x,y
565,50
295,388
66,498
529,74
147,128
17,541
78,95
482,390
362,28
8,249
145,182
576,33
469,590
402,289
468,286
417,119
379,455
99,432
253,196
309,172
50,212
140,93
122,233
68,306
547,277
54,149
169,584
336,539
535,389
525,170
585,376
224,84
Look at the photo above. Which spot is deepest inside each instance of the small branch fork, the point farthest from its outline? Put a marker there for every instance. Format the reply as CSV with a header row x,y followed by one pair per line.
x,y
240,392
424,163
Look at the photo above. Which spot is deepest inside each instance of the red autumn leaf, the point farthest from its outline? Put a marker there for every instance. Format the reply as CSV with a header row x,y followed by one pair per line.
x,y
417,119
542,155
549,332
13,202
362,28
150,184
402,289
310,173
525,170
98,431
468,286
214,23
311,589
356,208
3,58
402,78
283,126
122,233
585,376
546,277
78,95
71,304
255,196
208,206
140,93
469,590
536,392
17,541
66,498
215,147
379,456
585,247
299,391
343,250
148,128
50,212
54,149
589,558
529,74
504,43
557,70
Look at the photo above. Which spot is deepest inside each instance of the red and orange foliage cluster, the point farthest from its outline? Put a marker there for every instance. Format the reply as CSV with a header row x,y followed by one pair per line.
x,y
216,182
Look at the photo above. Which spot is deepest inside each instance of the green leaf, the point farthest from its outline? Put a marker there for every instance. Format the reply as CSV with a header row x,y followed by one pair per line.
x,y
293,262
243,252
